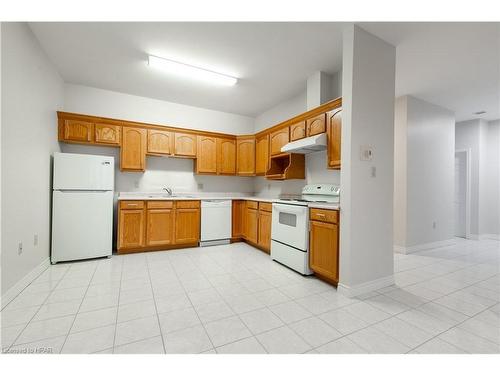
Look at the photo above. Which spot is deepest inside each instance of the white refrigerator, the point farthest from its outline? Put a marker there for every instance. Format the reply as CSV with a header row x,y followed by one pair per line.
x,y
82,207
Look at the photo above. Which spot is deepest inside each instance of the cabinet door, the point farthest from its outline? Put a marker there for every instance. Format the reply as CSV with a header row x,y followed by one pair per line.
x,y
245,153
108,134
297,131
185,145
160,142
187,225
131,229
78,131
316,125
334,138
251,224
237,218
206,155
133,150
265,230
226,156
159,227
262,155
278,139
323,249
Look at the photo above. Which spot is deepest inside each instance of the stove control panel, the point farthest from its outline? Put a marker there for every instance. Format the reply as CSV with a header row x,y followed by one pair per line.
x,y
321,189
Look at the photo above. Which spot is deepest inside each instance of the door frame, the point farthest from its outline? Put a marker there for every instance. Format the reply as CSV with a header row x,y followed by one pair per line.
x,y
467,152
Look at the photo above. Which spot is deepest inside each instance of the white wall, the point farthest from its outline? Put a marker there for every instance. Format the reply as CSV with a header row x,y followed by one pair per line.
x,y
483,140
424,185
89,100
32,92
490,220
472,135
366,223
160,171
281,112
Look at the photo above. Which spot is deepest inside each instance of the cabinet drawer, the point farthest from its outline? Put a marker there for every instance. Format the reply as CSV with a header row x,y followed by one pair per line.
x,y
160,204
252,204
188,204
329,216
131,205
265,206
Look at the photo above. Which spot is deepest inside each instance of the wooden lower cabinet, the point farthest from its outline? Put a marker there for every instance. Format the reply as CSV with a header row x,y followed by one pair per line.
x,y
187,225
160,226
238,215
131,228
251,224
156,225
324,247
265,230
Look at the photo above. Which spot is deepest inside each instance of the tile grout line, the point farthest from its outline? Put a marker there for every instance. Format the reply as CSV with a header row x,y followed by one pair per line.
x,y
79,307
118,302
26,325
156,307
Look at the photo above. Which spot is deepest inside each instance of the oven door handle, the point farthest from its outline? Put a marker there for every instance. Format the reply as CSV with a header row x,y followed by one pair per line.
x,y
289,210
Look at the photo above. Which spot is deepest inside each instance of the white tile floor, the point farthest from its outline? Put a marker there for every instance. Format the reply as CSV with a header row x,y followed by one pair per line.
x,y
234,299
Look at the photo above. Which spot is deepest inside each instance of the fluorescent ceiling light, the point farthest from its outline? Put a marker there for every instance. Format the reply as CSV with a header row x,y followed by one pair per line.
x,y
190,71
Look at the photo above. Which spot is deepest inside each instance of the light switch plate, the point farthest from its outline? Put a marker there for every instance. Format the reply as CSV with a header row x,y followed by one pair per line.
x,y
366,153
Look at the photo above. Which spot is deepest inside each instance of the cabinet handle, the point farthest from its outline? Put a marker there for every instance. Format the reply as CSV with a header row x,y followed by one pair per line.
x,y
132,204
321,215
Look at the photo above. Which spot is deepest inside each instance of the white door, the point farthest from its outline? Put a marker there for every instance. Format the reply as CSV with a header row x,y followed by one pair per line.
x,y
82,225
460,194
83,172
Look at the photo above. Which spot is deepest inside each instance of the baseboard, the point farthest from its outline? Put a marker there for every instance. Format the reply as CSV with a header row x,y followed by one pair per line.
x,y
18,287
370,286
424,246
473,237
489,236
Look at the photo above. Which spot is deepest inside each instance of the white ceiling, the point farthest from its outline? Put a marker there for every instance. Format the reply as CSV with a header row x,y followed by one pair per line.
x,y
455,65
273,60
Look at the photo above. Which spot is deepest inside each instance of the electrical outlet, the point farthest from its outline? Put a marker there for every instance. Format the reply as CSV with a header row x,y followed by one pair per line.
x,y
200,186
20,248
433,225
136,184
268,186
35,240
374,171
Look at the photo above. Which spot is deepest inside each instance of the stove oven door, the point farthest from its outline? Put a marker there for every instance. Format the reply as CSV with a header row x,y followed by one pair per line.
x,y
290,225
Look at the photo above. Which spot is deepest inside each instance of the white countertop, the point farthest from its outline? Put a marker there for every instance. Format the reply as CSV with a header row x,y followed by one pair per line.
x,y
145,196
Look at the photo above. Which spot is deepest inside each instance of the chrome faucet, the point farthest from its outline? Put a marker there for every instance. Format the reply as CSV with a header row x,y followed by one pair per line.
x,y
168,190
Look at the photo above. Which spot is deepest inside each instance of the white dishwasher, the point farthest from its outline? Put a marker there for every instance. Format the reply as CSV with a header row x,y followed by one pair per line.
x,y
215,222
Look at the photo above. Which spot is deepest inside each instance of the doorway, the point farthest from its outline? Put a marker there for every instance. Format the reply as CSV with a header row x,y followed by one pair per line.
x,y
462,194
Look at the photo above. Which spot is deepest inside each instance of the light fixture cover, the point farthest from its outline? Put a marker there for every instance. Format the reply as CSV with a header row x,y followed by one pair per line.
x,y
190,71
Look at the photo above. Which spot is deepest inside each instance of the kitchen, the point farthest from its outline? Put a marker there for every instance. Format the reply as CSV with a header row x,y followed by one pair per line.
x,y
241,197
164,220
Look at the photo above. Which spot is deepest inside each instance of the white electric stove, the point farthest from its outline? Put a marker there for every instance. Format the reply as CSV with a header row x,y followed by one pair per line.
x,y
290,225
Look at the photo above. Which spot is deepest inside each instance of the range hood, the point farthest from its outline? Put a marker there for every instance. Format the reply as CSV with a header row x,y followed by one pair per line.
x,y
306,145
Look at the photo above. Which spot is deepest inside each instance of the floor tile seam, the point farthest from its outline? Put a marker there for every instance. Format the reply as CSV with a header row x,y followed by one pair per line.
x,y
26,325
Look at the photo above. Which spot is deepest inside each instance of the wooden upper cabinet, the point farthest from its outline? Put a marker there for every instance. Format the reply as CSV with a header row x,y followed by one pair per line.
x,y
323,249
245,156
262,155
131,228
316,125
278,139
108,134
160,226
78,131
185,145
133,150
206,155
334,119
297,131
226,156
187,224
160,142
